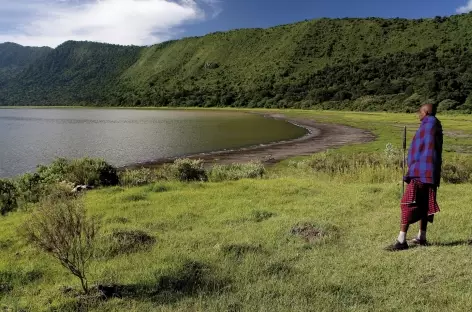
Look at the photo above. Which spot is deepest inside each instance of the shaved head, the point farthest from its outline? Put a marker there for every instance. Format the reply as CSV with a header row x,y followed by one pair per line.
x,y
426,110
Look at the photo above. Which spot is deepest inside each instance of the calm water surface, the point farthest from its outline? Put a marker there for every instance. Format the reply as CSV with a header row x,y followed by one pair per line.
x,y
29,137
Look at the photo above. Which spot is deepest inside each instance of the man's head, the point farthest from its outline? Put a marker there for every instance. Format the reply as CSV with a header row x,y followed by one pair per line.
x,y
426,110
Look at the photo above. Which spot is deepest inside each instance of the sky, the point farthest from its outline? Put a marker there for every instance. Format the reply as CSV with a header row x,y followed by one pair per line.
x,y
146,22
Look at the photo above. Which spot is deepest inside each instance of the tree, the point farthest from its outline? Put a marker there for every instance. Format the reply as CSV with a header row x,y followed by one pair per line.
x,y
62,229
447,105
467,106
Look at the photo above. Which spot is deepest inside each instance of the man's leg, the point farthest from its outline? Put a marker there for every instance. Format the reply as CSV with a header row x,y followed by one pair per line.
x,y
423,228
421,238
401,243
402,236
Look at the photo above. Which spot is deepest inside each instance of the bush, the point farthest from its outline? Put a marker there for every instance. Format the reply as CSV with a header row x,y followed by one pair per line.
x,y
8,197
457,170
55,172
188,170
88,171
30,187
93,172
233,172
447,105
63,230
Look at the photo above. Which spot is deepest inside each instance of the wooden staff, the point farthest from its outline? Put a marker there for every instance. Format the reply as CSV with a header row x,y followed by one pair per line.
x,y
403,163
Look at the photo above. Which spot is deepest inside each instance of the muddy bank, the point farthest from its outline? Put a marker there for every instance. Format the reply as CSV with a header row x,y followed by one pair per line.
x,y
319,137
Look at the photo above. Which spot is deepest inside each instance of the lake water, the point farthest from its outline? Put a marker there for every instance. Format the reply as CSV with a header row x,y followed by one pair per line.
x,y
29,137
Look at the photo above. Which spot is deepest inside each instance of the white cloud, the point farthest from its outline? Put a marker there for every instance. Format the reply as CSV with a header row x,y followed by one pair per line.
x,y
138,22
466,8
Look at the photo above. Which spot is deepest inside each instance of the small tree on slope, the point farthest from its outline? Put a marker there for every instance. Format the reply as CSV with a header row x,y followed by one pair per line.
x,y
63,230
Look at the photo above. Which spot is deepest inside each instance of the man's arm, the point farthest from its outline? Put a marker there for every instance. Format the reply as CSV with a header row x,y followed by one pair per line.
x,y
428,153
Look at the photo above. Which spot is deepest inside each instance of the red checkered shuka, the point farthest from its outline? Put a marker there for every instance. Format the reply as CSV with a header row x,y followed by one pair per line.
x,y
419,201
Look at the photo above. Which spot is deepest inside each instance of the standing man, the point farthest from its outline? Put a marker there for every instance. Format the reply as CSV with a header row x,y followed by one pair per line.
x,y
423,178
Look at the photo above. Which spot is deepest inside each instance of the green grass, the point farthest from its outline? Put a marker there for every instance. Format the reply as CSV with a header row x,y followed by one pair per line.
x,y
228,246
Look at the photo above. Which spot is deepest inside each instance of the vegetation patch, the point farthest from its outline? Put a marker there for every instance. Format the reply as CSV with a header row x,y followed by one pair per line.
x,y
374,189
121,220
187,170
8,197
138,177
128,241
113,190
239,251
158,188
348,296
312,233
4,244
457,170
261,215
135,197
278,269
236,171
9,279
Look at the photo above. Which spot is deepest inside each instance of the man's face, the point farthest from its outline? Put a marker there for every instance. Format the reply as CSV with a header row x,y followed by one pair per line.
x,y
421,113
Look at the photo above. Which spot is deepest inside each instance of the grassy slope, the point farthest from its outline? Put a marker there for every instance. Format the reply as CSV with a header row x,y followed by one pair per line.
x,y
246,55
200,222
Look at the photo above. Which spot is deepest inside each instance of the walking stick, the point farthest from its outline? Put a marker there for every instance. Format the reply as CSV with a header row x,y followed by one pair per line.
x,y
403,162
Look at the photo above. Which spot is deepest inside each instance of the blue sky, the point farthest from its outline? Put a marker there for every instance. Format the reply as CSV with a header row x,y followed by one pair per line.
x,y
266,13
144,22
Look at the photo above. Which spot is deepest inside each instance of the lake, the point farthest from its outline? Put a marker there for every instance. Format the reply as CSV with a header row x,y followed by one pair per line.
x,y
29,137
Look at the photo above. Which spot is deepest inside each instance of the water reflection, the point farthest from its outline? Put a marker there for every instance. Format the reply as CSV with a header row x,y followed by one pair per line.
x,y
29,137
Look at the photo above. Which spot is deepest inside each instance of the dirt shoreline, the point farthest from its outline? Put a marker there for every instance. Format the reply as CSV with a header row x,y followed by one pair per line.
x,y
319,137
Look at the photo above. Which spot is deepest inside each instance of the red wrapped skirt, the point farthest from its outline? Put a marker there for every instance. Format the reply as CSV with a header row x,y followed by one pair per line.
x,y
418,202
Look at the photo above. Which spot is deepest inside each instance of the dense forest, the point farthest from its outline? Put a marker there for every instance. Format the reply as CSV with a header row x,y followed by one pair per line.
x,y
355,64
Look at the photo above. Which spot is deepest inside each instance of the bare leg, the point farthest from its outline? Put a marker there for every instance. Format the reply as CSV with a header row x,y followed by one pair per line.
x,y
424,224
402,236
404,227
423,228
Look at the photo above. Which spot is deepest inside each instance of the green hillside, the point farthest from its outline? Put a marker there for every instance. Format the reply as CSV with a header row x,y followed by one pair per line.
x,y
14,58
73,73
360,64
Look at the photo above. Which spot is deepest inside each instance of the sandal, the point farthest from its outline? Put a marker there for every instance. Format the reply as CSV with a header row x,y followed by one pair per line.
x,y
397,246
420,242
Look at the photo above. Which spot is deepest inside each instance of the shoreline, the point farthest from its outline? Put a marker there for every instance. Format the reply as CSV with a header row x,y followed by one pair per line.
x,y
319,137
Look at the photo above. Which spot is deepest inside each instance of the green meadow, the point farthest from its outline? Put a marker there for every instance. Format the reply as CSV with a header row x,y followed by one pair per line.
x,y
307,236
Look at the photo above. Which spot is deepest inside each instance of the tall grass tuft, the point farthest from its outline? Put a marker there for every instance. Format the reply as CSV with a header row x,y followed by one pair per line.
x,y
236,171
378,167
138,177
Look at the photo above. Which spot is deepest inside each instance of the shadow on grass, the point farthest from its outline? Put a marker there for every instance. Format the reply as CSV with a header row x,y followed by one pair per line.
x,y
444,244
452,244
191,279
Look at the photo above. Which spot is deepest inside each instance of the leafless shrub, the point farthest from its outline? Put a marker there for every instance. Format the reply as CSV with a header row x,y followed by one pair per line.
x,y
62,229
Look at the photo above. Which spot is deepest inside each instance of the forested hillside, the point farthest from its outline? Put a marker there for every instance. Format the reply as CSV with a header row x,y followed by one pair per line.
x,y
14,58
357,64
